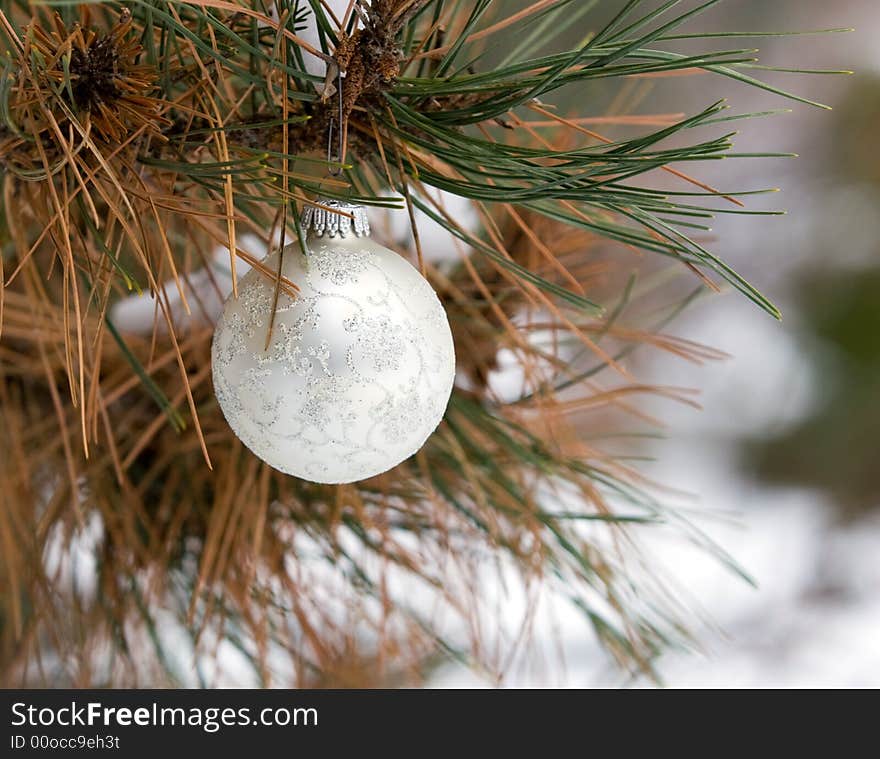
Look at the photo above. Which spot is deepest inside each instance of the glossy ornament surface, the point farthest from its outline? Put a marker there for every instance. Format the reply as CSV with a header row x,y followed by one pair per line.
x,y
360,366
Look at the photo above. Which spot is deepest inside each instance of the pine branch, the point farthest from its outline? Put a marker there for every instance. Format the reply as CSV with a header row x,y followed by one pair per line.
x,y
136,138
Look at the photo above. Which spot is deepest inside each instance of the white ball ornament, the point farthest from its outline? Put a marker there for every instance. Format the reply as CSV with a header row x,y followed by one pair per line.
x,y
360,365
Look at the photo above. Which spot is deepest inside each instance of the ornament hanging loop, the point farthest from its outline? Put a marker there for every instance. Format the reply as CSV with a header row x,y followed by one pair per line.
x,y
339,156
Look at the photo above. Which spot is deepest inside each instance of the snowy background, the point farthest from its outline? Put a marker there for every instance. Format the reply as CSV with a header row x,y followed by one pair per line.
x,y
814,619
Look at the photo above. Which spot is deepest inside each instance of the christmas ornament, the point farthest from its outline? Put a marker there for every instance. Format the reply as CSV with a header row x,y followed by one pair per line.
x,y
360,364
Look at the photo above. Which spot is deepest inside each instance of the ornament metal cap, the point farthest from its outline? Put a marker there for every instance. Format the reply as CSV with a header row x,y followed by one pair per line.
x,y
343,220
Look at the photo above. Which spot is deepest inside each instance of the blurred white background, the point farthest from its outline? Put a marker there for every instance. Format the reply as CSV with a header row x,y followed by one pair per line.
x,y
814,619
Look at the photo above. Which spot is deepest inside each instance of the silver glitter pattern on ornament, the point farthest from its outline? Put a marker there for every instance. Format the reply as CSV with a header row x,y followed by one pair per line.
x,y
359,369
